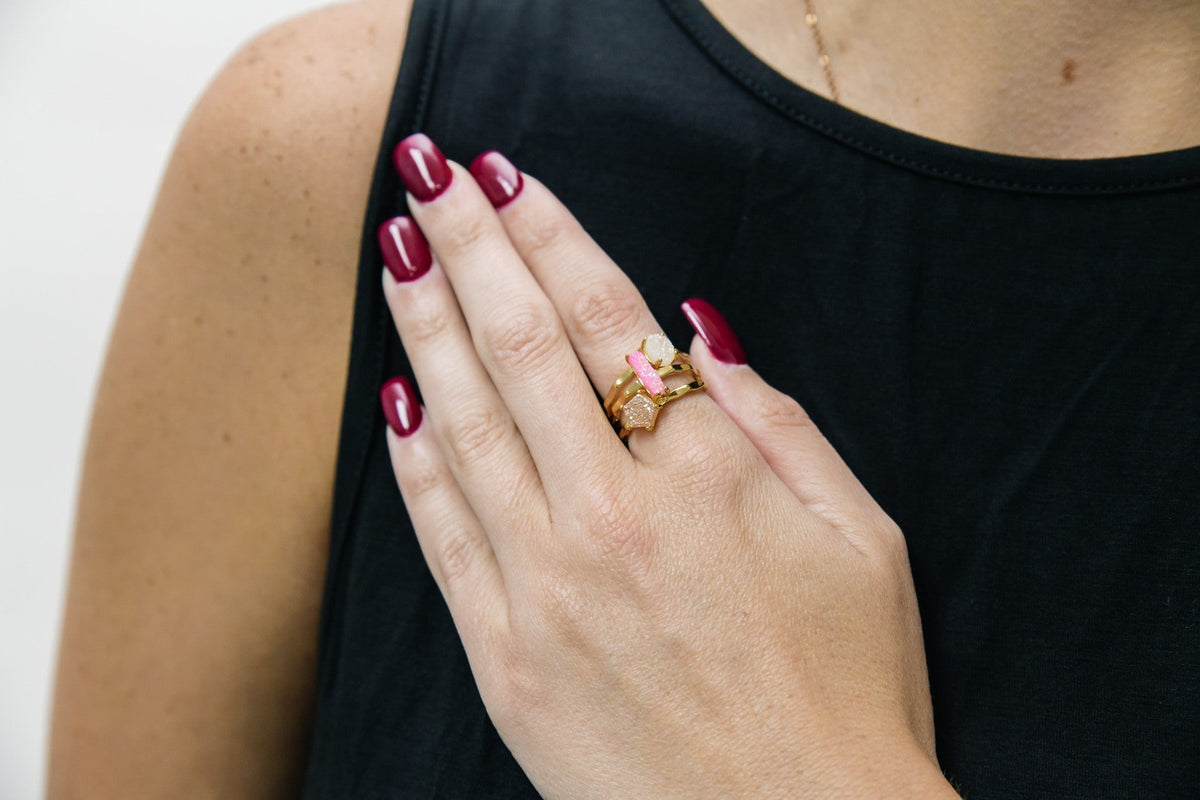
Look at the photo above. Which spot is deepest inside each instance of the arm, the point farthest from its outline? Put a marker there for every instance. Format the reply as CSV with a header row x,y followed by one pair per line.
x,y
188,650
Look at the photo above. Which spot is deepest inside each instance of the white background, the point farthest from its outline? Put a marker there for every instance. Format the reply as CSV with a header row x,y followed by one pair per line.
x,y
92,95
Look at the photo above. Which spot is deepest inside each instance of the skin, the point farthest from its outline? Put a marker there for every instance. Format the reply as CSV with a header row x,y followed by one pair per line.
x,y
189,642
612,656
1044,78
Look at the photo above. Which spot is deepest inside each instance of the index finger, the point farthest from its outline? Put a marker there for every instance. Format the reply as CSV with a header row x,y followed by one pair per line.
x,y
603,313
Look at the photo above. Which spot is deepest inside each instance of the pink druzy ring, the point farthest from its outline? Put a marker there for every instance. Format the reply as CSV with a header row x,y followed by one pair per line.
x,y
657,374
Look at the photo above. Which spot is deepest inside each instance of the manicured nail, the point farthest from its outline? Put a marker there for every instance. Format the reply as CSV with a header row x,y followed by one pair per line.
x,y
400,406
498,178
714,330
405,250
422,167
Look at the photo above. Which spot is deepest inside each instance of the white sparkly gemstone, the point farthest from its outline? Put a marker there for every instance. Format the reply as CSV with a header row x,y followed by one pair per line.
x,y
639,412
659,350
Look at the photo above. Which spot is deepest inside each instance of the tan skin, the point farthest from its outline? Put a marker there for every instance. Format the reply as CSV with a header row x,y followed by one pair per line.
x,y
190,638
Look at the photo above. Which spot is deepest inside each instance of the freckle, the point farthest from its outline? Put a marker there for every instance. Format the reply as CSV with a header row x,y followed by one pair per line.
x,y
257,149
246,259
199,319
266,181
279,156
262,278
307,222
306,193
229,331
295,237
1068,71
317,261
225,437
195,187
310,59
242,149
285,374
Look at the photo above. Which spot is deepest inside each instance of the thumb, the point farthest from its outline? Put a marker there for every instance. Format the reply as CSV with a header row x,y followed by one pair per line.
x,y
777,425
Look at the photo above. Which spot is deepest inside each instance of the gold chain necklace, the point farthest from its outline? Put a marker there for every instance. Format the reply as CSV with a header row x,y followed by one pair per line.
x,y
810,17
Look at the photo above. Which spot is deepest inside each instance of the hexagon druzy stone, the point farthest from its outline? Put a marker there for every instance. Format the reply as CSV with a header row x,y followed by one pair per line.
x,y
659,350
639,412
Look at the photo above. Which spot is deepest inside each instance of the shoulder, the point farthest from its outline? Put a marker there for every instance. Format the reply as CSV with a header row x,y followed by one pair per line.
x,y
299,107
207,482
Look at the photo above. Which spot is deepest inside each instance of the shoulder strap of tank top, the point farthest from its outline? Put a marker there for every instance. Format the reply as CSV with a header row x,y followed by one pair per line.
x,y
361,414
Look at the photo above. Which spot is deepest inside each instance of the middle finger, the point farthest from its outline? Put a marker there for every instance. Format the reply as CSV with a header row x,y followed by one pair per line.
x,y
516,329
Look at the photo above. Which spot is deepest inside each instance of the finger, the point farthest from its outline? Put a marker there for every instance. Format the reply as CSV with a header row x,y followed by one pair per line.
x,y
603,313
515,329
483,448
451,536
778,426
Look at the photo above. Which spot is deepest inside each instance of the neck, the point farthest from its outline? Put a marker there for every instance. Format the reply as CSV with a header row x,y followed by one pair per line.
x,y
1047,78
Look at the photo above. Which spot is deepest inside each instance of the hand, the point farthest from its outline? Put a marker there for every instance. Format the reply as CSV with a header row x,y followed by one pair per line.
x,y
720,610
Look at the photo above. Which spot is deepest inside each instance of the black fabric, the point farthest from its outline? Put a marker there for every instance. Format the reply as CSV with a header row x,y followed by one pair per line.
x,y
1005,350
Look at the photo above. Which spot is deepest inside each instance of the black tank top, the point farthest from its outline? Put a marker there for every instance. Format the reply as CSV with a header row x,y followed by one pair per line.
x,y
1005,350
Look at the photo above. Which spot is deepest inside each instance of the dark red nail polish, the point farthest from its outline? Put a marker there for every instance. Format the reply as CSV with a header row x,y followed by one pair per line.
x,y
422,167
405,250
714,330
400,406
498,178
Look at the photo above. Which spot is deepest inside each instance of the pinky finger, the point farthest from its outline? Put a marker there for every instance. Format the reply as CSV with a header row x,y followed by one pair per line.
x,y
450,535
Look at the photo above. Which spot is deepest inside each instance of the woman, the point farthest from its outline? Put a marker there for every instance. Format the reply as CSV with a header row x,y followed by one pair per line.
x,y
957,233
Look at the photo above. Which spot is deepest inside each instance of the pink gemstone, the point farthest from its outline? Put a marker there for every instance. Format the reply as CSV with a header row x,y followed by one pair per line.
x,y
646,373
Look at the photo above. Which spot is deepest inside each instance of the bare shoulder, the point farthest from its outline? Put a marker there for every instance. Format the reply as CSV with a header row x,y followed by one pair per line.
x,y
188,650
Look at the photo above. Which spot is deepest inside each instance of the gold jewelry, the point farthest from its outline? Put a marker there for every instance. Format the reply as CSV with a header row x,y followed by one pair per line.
x,y
637,396
810,18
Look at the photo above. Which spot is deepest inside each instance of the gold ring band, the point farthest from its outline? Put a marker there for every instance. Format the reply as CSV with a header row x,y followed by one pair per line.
x,y
650,382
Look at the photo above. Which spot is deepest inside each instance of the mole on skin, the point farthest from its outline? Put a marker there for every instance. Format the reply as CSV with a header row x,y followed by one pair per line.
x,y
1068,71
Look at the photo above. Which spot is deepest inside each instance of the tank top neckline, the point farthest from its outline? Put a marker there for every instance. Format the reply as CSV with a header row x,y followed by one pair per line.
x,y
1126,174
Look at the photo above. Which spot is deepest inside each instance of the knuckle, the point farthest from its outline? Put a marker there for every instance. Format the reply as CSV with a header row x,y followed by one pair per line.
x,y
605,307
466,233
618,534
890,543
521,340
476,434
714,469
459,551
560,602
778,410
422,477
881,542
545,236
518,688
426,322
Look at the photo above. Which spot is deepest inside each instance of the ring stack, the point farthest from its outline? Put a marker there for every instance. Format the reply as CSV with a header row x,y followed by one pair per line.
x,y
657,374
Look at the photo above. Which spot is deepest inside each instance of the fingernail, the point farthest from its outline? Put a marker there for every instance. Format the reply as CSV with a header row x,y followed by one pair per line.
x,y
405,251
400,406
498,178
714,330
422,167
